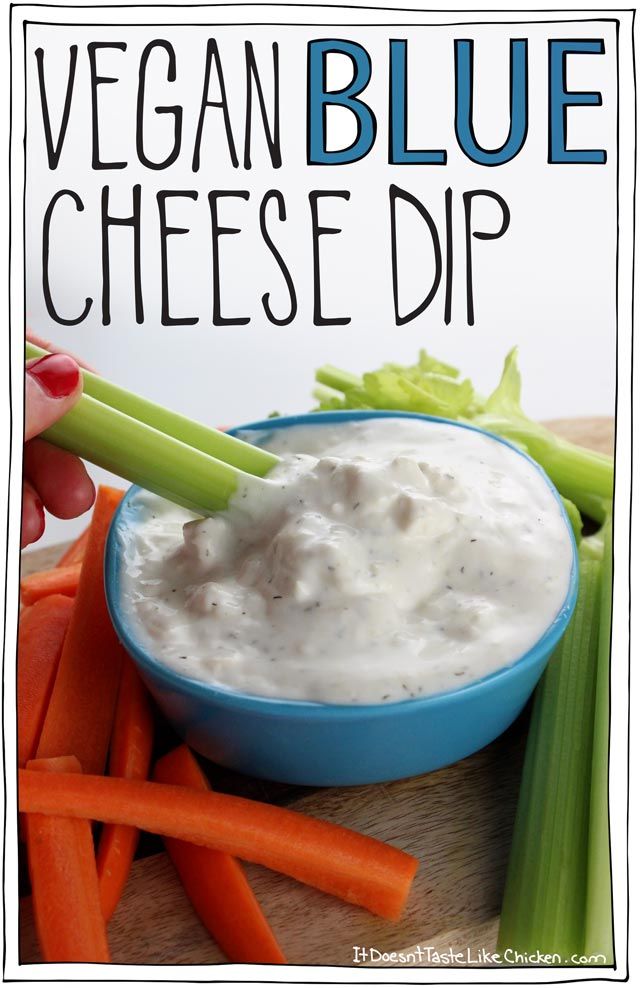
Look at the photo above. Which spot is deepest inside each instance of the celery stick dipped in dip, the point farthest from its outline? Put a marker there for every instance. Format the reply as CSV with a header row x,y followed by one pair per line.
x,y
382,559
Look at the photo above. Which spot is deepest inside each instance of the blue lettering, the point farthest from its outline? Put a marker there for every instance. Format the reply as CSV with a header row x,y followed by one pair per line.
x,y
560,99
517,99
398,152
319,99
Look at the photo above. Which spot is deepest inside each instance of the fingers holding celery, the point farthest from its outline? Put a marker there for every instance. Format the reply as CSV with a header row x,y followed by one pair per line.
x,y
53,478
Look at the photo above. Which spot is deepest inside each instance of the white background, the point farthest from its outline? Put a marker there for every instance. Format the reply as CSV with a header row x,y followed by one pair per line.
x,y
548,285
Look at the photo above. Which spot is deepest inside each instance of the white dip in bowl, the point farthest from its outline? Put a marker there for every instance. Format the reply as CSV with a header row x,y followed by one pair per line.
x,y
383,559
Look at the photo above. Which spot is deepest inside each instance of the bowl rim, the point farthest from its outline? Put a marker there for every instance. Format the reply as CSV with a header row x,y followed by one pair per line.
x,y
277,706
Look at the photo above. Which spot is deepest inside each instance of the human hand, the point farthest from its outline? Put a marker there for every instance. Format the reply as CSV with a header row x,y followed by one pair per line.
x,y
52,478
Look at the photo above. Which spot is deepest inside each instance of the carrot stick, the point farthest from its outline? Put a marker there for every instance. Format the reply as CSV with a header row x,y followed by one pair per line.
x,y
64,881
61,579
62,763
129,758
75,552
41,634
80,713
215,882
342,862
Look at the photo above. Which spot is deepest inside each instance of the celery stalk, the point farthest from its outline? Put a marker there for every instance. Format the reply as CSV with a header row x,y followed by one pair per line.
x,y
144,456
574,470
599,921
581,475
545,894
244,456
598,508
575,519
325,394
337,379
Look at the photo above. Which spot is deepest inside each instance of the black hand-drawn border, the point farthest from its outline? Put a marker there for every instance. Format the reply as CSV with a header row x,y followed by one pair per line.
x,y
535,20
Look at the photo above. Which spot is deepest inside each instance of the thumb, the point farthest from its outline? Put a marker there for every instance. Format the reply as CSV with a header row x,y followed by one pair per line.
x,y
53,385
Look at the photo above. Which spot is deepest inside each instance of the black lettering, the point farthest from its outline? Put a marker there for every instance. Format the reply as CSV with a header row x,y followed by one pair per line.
x,y
282,215
213,53
396,193
448,284
218,231
468,198
98,80
165,232
272,136
318,231
175,111
46,287
107,222
53,151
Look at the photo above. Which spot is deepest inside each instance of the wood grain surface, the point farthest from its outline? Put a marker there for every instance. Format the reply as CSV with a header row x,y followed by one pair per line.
x,y
457,821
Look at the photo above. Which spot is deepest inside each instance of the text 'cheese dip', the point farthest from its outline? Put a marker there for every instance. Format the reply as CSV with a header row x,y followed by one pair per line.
x,y
383,559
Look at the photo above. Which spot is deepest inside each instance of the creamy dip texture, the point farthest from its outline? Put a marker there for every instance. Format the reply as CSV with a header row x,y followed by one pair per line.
x,y
382,560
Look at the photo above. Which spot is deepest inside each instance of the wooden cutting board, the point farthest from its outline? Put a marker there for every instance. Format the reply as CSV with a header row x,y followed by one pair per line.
x,y
457,821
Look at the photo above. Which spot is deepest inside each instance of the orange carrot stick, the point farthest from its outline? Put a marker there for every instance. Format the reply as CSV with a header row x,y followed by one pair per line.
x,y
75,552
129,758
41,634
342,862
64,881
80,714
61,579
215,882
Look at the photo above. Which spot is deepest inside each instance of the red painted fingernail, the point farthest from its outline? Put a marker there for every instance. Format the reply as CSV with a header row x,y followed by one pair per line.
x,y
58,374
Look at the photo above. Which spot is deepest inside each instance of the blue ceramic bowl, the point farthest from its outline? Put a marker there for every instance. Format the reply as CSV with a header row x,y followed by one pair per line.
x,y
330,744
